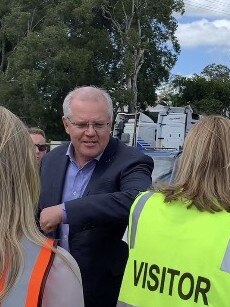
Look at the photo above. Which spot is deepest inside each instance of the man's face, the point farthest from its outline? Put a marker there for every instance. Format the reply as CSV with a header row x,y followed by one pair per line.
x,y
38,139
88,141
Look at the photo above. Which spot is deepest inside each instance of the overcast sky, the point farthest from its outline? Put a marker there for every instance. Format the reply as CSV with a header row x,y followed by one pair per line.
x,y
204,35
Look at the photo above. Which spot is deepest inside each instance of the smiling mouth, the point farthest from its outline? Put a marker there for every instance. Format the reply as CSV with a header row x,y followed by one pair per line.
x,y
90,142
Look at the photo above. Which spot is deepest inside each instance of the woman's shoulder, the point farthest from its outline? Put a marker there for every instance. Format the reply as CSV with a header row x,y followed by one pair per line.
x,y
65,259
64,284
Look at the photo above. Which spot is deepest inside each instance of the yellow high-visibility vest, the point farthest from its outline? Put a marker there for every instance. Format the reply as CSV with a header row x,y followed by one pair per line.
x,y
178,257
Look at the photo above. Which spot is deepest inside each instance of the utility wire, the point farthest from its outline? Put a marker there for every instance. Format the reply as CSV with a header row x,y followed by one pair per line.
x,y
209,8
217,2
203,6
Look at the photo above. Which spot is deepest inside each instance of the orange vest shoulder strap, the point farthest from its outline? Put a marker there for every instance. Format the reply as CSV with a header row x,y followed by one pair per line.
x,y
39,275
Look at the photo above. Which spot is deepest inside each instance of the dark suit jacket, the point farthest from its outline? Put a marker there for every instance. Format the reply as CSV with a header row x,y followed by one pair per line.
x,y
98,220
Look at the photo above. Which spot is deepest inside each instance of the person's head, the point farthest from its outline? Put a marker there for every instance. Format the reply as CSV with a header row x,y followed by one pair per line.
x,y
39,139
19,191
88,115
203,175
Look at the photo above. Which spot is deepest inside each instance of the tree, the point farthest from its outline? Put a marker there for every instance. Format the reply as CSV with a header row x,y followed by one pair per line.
x,y
216,71
44,55
49,47
208,93
142,32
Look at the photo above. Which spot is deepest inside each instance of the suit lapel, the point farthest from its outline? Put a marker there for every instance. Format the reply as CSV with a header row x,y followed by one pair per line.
x,y
59,171
104,162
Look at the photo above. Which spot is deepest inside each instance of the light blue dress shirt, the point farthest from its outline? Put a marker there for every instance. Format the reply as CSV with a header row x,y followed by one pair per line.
x,y
76,180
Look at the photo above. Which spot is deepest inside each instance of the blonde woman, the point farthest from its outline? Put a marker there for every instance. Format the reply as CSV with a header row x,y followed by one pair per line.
x,y
179,237
32,271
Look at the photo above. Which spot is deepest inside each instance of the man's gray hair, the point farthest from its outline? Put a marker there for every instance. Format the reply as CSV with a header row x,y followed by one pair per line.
x,y
96,91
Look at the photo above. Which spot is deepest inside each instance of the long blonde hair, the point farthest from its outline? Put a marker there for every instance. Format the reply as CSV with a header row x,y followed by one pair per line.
x,y
203,175
19,191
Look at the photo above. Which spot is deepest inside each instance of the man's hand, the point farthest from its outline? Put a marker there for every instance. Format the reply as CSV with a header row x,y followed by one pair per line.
x,y
50,218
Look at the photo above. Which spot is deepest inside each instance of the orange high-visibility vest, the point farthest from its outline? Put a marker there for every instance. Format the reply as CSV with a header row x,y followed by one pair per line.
x,y
28,291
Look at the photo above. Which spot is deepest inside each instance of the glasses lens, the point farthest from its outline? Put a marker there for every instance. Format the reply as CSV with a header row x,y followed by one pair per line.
x,y
85,126
100,126
41,147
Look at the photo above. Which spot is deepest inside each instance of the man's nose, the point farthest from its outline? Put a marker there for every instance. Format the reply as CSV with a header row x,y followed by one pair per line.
x,y
36,149
90,129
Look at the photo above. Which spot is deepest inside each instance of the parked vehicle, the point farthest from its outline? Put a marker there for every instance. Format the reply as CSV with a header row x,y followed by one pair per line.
x,y
139,130
164,129
163,163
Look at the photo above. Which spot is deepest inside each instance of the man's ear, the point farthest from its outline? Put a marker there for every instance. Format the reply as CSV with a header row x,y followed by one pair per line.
x,y
66,124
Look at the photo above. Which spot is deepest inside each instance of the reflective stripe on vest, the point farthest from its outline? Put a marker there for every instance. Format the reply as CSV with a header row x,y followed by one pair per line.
x,y
225,265
121,304
135,217
136,214
27,292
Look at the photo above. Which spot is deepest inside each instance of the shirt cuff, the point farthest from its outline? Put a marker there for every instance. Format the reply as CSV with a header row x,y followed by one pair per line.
x,y
64,218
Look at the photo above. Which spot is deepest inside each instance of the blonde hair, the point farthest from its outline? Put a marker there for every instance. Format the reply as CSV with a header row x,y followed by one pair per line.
x,y
19,191
203,175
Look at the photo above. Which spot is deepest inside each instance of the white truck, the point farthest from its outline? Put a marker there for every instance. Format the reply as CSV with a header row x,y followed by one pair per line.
x,y
139,130
162,129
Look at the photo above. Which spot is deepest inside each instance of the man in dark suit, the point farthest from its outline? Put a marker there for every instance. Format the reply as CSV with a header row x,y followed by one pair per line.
x,y
87,188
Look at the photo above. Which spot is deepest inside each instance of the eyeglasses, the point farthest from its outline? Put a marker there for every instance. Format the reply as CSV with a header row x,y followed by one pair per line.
x,y
85,126
41,147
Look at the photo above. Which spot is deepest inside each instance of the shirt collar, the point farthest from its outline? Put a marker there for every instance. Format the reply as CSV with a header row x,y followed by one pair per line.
x,y
70,154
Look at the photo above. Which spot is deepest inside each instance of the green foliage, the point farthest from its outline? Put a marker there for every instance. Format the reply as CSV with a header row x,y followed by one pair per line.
x,y
214,71
208,93
49,47
144,33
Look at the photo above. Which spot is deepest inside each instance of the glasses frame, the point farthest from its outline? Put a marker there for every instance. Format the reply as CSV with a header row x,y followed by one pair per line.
x,y
103,128
41,147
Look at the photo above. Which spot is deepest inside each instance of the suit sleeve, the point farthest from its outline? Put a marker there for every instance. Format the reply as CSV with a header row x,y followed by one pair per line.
x,y
111,209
